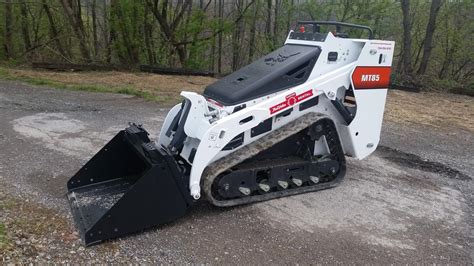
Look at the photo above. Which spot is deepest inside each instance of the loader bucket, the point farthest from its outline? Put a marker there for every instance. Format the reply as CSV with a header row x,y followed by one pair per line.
x,y
129,185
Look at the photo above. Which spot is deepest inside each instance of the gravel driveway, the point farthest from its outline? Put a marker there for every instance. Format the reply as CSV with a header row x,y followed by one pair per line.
x,y
409,202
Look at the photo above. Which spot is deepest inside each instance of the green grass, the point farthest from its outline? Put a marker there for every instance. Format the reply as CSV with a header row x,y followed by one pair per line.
x,y
129,90
3,72
5,204
3,237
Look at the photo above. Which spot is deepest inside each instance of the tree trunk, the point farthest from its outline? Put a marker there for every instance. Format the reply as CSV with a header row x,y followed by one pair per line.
x,y
417,53
8,45
213,47
268,24
236,38
148,32
94,29
275,23
407,24
449,49
219,41
268,21
168,28
73,13
186,25
253,29
109,32
112,38
53,31
289,15
428,43
25,26
130,57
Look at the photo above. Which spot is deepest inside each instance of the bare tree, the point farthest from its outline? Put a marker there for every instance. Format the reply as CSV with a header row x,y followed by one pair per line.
x,y
127,34
213,46
72,10
219,41
407,24
148,34
111,28
289,15
275,22
169,23
428,42
268,21
238,30
253,29
450,46
8,45
53,31
94,28
25,25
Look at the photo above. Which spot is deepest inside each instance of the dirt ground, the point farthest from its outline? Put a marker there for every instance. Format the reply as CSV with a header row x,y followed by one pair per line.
x,y
409,202
165,86
438,110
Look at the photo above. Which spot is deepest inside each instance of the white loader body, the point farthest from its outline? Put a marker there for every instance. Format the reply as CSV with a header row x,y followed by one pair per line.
x,y
362,65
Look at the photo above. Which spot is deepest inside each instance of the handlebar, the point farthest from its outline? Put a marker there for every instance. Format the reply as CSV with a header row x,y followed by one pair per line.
x,y
338,25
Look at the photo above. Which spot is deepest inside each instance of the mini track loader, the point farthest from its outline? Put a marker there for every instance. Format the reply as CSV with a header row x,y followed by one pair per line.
x,y
278,127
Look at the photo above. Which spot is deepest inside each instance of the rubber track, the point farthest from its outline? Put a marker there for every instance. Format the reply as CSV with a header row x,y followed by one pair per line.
x,y
231,160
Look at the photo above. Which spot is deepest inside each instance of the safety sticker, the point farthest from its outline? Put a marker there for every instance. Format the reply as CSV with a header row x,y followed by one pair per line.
x,y
291,100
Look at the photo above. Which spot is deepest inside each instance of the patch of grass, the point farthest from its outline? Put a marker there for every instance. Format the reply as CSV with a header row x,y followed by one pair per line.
x,y
3,237
6,204
36,81
133,91
3,72
129,90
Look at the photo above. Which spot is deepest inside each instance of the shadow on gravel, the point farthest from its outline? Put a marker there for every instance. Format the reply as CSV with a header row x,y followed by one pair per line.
x,y
416,162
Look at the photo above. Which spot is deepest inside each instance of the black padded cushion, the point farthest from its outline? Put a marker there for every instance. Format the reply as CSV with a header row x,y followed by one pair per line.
x,y
285,67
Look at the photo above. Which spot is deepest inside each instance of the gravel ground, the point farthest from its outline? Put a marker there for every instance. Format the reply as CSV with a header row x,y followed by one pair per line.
x,y
409,202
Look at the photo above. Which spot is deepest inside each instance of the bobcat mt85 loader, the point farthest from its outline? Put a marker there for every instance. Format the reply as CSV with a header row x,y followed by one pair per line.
x,y
278,127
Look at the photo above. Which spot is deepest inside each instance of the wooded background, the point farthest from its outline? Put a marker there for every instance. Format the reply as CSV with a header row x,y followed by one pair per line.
x,y
434,39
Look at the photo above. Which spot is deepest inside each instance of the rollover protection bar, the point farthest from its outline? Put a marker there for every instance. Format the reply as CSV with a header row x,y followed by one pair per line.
x,y
338,25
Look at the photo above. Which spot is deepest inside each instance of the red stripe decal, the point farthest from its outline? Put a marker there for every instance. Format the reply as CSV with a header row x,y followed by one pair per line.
x,y
214,102
371,77
291,100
